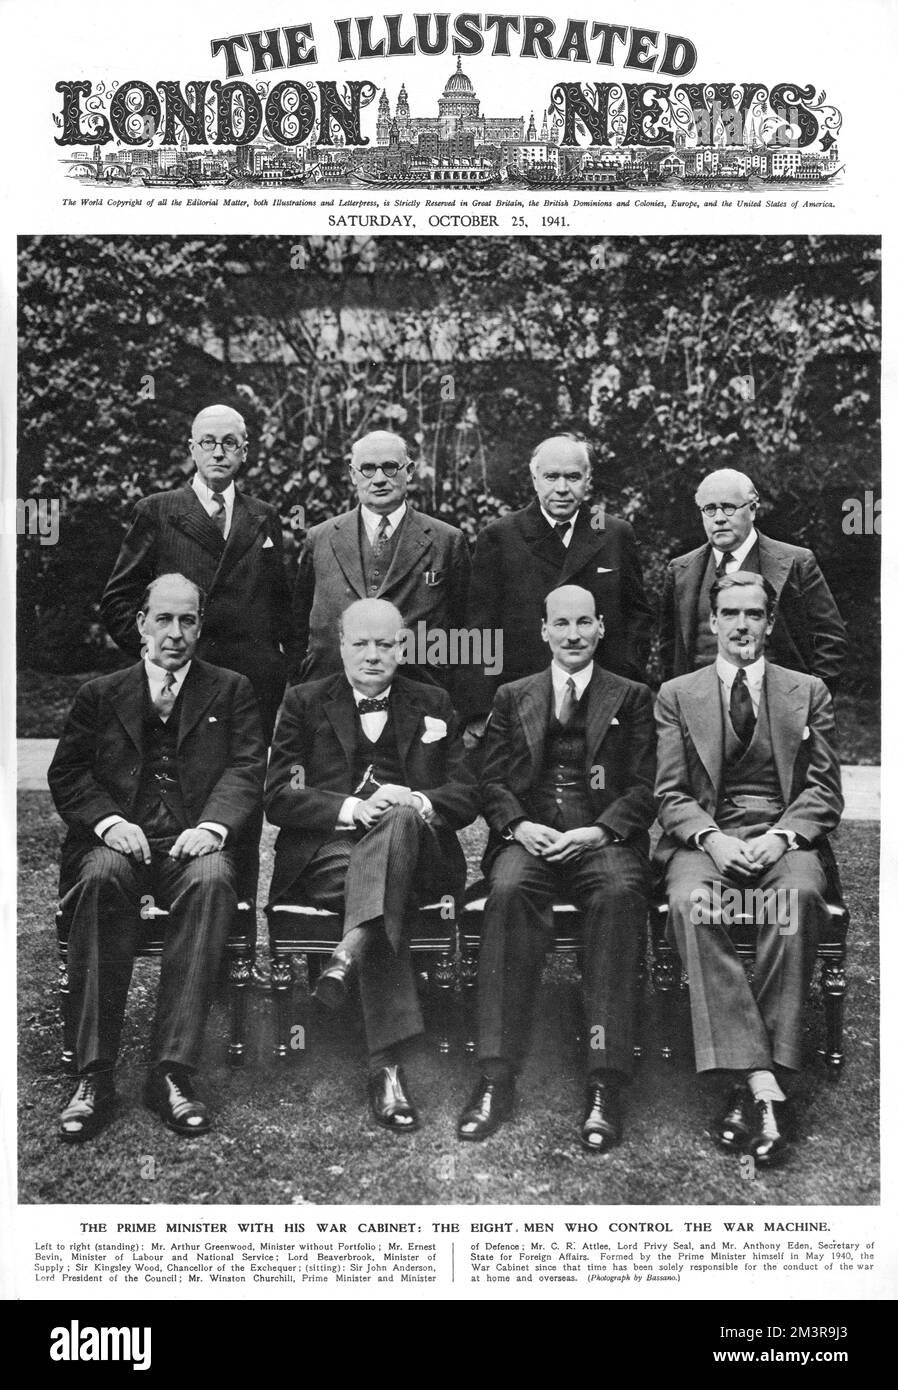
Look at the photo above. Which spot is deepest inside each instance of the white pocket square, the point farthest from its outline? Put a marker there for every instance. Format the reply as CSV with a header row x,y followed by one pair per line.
x,y
433,729
212,719
268,543
603,569
805,733
615,721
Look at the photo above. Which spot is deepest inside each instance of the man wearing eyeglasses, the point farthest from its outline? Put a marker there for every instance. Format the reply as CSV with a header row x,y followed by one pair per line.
x,y
809,635
228,543
384,548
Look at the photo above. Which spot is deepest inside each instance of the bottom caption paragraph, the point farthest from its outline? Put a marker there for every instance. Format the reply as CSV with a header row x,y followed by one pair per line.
x,y
248,1255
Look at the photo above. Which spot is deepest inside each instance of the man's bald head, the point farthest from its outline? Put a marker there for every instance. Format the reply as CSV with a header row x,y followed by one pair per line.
x,y
218,445
571,626
727,487
370,643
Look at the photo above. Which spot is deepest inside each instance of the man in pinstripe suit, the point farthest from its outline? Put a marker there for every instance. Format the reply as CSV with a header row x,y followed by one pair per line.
x,y
228,543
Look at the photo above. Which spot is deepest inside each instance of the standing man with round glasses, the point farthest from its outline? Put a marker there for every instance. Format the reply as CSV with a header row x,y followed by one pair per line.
x,y
384,548
228,543
809,635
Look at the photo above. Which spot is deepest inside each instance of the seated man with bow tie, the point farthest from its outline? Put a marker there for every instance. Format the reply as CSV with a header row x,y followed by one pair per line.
x,y
368,783
566,782
748,789
159,777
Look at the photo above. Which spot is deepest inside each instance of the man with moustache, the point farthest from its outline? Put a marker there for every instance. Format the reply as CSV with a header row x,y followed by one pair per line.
x,y
748,789
809,634
368,783
228,543
158,776
566,785
557,539
384,548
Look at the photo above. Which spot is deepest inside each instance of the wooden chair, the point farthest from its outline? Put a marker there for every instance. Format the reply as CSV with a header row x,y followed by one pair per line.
x,y
670,980
239,950
568,922
298,930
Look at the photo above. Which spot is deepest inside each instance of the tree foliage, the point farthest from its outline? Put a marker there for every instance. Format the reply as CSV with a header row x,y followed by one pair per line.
x,y
672,355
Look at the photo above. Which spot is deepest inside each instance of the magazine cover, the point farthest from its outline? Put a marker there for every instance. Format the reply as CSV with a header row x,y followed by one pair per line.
x,y
442,536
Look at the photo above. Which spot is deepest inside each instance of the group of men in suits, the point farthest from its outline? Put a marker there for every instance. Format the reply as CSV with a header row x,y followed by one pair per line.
x,y
160,771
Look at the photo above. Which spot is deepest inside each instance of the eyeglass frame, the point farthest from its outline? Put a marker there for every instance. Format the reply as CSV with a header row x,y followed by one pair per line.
x,y
728,508
208,444
382,467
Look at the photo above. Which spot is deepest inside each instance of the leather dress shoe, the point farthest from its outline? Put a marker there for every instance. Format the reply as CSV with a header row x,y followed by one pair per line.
x,y
491,1102
390,1102
89,1108
733,1129
771,1140
601,1127
332,986
170,1095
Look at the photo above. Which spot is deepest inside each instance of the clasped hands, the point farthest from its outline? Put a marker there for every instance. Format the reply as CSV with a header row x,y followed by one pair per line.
x,y
559,846
369,811
128,838
744,858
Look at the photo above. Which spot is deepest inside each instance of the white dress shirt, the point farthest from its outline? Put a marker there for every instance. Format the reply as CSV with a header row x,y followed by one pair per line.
x,y
206,494
373,725
371,521
738,555
563,536
560,678
156,676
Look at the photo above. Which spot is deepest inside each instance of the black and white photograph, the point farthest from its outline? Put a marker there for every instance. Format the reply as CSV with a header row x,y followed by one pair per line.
x,y
492,491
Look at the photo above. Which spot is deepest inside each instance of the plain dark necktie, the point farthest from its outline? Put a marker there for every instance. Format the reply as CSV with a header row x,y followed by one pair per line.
x,y
568,704
724,561
742,714
218,516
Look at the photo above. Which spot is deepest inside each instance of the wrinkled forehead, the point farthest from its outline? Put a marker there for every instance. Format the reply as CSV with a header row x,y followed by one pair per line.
x,y
383,449
570,608
179,599
565,456
739,596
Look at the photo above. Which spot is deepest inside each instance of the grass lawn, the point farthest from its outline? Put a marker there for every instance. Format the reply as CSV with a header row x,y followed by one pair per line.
x,y
299,1132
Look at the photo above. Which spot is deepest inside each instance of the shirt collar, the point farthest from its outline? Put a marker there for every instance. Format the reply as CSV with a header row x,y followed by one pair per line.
x,y
739,554
205,493
754,674
581,679
553,520
156,675
372,519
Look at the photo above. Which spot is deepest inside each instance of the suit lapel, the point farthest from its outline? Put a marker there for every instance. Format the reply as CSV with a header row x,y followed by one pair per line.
x,y
534,706
197,693
339,709
700,704
787,711
605,697
192,520
687,582
586,544
539,536
774,566
345,547
414,538
246,524
406,720
128,703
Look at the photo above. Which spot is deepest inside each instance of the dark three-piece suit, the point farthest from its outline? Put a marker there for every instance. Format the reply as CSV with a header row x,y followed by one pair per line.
x,y
320,756
206,762
596,770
